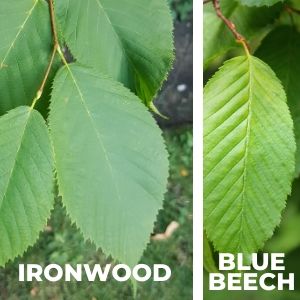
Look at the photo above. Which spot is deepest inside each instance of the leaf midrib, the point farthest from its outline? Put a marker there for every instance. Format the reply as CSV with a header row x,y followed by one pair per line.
x,y
95,129
119,40
248,132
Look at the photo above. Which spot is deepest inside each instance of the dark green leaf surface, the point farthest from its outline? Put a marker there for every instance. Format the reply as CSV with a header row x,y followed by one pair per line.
x,y
249,153
26,180
252,22
287,238
111,161
291,19
129,40
281,50
25,50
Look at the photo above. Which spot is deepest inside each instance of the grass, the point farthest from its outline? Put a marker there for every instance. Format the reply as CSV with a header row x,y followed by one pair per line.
x,y
62,243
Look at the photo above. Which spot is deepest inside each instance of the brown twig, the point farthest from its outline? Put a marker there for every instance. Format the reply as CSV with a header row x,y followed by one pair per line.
x,y
55,48
291,9
55,35
42,86
206,1
290,13
53,24
239,38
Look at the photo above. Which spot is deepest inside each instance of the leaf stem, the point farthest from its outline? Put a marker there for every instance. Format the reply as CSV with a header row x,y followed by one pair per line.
x,y
239,37
61,54
53,23
56,48
41,89
291,14
55,35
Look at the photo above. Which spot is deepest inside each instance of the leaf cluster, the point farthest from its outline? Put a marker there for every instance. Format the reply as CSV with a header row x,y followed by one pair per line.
x,y
83,126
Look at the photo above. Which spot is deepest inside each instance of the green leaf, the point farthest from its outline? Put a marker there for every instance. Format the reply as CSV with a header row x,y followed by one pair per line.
x,y
25,50
208,259
26,180
291,18
111,161
284,60
286,238
129,40
252,22
259,2
249,153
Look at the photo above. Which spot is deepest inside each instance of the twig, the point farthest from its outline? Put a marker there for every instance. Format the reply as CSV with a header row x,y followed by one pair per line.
x,y
206,1
55,48
172,227
53,23
55,35
291,9
42,86
290,13
239,38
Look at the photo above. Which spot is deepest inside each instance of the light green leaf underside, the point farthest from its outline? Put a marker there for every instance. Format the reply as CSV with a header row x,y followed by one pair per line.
x,y
249,153
25,48
285,61
26,166
252,22
259,2
111,161
129,40
208,259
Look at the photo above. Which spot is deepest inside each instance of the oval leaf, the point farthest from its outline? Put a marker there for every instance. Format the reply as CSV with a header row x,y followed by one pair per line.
x,y
248,157
111,161
26,183
25,50
129,40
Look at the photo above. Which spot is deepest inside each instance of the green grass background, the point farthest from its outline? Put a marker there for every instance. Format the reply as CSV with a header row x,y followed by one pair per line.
x,y
62,243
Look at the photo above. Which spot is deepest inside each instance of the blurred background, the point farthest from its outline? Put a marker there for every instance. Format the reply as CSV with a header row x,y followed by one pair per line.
x,y
171,242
